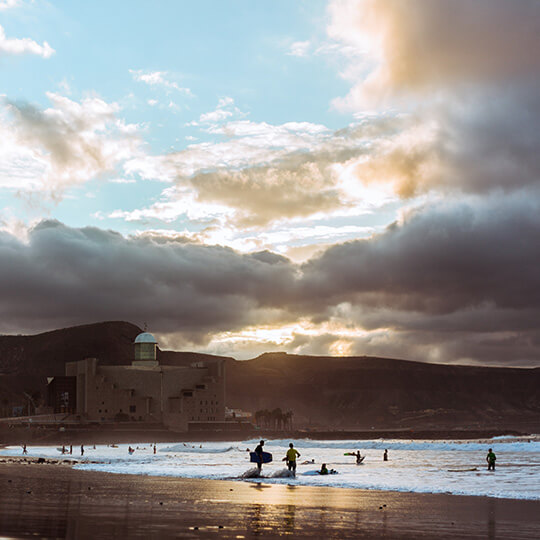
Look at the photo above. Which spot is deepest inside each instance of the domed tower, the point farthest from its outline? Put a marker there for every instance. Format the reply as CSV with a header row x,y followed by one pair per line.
x,y
145,350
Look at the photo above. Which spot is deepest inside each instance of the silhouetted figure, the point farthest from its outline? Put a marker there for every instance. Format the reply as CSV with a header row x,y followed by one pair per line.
x,y
259,452
82,449
24,451
324,470
70,449
491,458
130,450
63,449
358,457
154,448
385,455
292,454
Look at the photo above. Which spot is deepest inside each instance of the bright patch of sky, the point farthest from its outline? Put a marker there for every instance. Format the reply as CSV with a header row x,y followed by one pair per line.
x,y
167,92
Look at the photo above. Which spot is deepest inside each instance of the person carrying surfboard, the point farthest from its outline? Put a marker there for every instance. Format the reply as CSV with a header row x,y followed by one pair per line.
x,y
292,454
259,452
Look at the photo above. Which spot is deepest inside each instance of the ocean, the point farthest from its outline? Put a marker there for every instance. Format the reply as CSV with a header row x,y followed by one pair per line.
x,y
424,466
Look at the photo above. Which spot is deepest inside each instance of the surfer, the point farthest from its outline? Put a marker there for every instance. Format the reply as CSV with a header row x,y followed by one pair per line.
x,y
259,452
292,454
131,450
385,455
359,457
490,458
82,449
324,470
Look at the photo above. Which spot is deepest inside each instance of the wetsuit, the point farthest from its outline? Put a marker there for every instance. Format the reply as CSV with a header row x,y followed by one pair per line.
x,y
259,452
491,461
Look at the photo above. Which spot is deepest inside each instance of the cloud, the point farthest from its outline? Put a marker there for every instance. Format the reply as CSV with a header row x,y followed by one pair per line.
x,y
299,48
263,173
22,45
64,276
159,78
67,144
8,4
468,77
447,276
424,46
453,282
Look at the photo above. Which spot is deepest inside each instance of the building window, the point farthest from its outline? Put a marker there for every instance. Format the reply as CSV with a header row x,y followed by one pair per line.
x,y
133,408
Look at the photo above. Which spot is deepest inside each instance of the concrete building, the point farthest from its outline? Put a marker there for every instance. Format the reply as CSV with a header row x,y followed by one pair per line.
x,y
146,391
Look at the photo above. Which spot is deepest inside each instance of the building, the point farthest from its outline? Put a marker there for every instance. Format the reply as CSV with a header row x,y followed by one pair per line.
x,y
144,391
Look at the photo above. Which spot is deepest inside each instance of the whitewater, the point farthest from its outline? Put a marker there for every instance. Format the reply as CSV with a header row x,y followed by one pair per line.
x,y
424,466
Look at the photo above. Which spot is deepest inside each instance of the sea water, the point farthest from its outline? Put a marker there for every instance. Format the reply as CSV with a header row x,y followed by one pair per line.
x,y
424,466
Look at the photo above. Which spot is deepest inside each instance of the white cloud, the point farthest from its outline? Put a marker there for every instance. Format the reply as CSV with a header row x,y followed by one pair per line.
x,y
299,48
225,109
23,46
159,78
66,144
8,4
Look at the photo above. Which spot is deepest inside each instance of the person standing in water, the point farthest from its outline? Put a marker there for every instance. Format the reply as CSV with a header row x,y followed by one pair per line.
x,y
385,455
82,449
24,451
490,458
292,454
259,452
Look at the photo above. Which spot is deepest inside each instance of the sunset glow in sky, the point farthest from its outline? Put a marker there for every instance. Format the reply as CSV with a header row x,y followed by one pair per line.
x,y
340,177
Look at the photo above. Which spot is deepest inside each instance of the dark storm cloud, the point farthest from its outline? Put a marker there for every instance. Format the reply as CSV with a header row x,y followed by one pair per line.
x,y
457,281
65,276
450,257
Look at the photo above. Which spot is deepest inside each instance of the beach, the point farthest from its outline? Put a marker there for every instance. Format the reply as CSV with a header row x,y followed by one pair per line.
x,y
56,501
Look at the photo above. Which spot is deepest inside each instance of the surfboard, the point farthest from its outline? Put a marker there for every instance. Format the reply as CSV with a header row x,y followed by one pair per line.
x,y
266,457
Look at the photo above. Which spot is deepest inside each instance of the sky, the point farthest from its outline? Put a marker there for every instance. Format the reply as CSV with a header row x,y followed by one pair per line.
x,y
343,177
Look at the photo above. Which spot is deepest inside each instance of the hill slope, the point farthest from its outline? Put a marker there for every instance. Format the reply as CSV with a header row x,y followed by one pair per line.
x,y
366,391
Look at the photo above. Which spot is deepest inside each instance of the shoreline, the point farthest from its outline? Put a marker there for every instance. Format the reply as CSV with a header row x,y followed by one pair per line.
x,y
59,501
73,461
76,434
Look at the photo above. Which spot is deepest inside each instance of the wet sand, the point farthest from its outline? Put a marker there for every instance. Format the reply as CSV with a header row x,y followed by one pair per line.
x,y
55,501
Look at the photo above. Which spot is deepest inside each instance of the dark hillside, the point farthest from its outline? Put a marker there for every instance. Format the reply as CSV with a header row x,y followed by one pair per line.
x,y
366,391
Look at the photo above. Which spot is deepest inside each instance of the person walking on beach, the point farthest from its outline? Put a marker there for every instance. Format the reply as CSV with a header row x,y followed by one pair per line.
x,y
259,452
490,458
385,455
292,454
